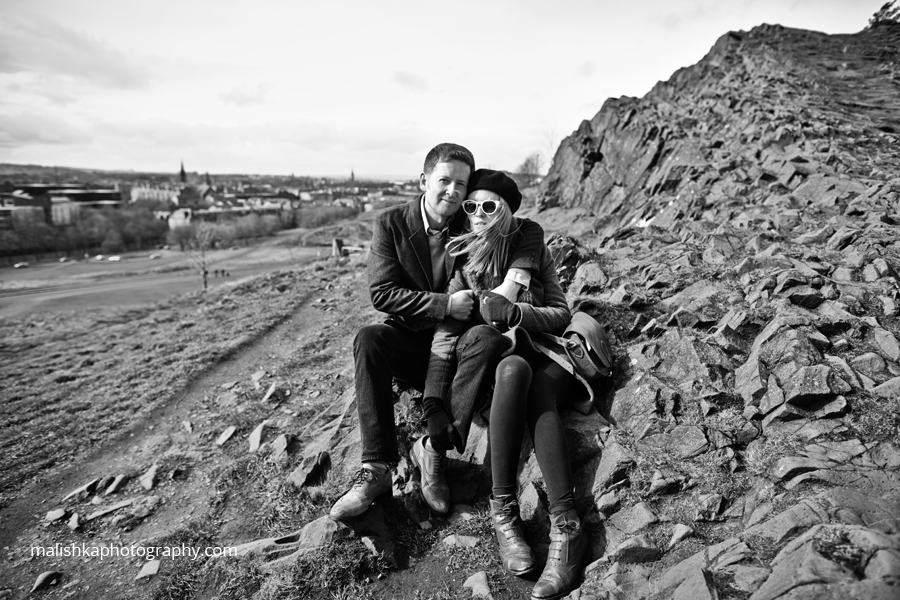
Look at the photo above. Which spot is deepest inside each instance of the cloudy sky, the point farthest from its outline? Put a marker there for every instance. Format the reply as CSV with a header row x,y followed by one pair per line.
x,y
317,87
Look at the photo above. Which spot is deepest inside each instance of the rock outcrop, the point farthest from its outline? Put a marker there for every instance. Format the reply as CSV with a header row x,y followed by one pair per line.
x,y
788,119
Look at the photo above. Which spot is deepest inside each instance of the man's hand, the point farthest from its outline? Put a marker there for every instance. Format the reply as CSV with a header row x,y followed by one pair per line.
x,y
498,311
440,430
461,304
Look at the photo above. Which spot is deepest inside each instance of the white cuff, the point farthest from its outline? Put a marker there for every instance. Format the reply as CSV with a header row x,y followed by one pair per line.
x,y
523,278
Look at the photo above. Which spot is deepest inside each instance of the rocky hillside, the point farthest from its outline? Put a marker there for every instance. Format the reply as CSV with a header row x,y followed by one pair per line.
x,y
769,117
745,231
742,246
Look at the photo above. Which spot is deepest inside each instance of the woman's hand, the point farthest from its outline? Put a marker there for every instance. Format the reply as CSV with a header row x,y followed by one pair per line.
x,y
498,311
508,289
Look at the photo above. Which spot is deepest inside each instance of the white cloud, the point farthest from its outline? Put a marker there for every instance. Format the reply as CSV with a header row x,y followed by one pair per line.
x,y
410,81
28,128
31,43
587,68
245,95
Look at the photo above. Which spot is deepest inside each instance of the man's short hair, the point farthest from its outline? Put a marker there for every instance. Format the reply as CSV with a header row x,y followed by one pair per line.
x,y
445,153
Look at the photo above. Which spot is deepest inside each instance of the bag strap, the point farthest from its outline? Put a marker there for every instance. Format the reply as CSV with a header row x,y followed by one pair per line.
x,y
587,364
564,362
556,357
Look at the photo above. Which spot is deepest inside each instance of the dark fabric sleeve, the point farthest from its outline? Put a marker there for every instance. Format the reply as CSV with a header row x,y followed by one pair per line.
x,y
391,287
526,252
442,364
553,315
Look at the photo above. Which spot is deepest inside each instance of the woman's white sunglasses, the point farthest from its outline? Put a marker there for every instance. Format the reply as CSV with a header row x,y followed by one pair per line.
x,y
488,207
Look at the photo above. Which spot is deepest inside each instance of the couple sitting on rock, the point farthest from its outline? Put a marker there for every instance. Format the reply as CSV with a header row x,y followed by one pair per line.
x,y
457,290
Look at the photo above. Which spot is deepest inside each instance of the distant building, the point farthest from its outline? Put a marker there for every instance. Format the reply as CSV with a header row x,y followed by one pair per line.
x,y
182,175
11,217
20,199
63,210
207,193
88,198
180,217
147,193
42,195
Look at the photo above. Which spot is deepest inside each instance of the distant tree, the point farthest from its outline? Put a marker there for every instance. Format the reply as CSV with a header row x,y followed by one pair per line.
x,y
181,236
888,13
91,227
271,224
112,243
226,234
141,228
35,235
531,167
203,240
10,243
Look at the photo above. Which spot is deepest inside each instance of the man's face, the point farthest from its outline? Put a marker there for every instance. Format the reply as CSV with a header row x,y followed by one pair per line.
x,y
445,188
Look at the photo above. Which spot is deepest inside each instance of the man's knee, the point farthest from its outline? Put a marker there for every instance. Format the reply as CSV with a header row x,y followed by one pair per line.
x,y
371,338
482,340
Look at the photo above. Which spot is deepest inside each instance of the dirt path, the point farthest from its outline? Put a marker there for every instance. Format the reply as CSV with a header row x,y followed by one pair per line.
x,y
71,286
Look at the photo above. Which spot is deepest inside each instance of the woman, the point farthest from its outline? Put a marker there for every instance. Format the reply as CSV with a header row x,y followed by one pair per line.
x,y
526,388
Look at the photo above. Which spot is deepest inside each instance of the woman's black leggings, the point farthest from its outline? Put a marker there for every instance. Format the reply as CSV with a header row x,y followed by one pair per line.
x,y
526,394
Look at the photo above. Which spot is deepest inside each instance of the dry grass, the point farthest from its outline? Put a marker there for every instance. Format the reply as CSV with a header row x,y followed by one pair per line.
x,y
73,380
875,419
184,578
341,570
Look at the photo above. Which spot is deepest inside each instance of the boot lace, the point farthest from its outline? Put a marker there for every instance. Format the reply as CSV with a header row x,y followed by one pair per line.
x,y
510,509
438,464
508,522
362,477
564,530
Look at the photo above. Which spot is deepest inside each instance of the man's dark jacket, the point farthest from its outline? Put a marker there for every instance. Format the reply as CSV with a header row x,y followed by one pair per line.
x,y
400,279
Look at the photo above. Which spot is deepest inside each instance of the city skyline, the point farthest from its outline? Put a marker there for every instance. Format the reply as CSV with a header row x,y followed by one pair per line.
x,y
272,87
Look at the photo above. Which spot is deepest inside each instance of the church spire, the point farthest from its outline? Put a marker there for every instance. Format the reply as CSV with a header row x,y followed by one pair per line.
x,y
183,175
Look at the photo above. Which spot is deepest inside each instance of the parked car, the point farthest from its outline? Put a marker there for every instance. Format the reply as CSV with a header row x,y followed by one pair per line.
x,y
64,259
20,265
99,257
155,255
114,258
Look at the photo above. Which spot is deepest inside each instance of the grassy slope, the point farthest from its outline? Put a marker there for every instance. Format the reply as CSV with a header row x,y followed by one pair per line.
x,y
71,380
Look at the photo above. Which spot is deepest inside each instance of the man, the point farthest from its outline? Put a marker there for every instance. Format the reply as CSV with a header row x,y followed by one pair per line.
x,y
408,270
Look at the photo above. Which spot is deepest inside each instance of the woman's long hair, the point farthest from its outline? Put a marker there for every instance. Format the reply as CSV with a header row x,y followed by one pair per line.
x,y
488,248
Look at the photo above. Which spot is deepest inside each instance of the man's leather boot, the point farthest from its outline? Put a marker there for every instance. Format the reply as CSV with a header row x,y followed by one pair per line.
x,y
516,554
432,468
568,551
370,482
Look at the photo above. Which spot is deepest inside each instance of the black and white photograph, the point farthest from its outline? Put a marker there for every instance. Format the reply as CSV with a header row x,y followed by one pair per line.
x,y
493,300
